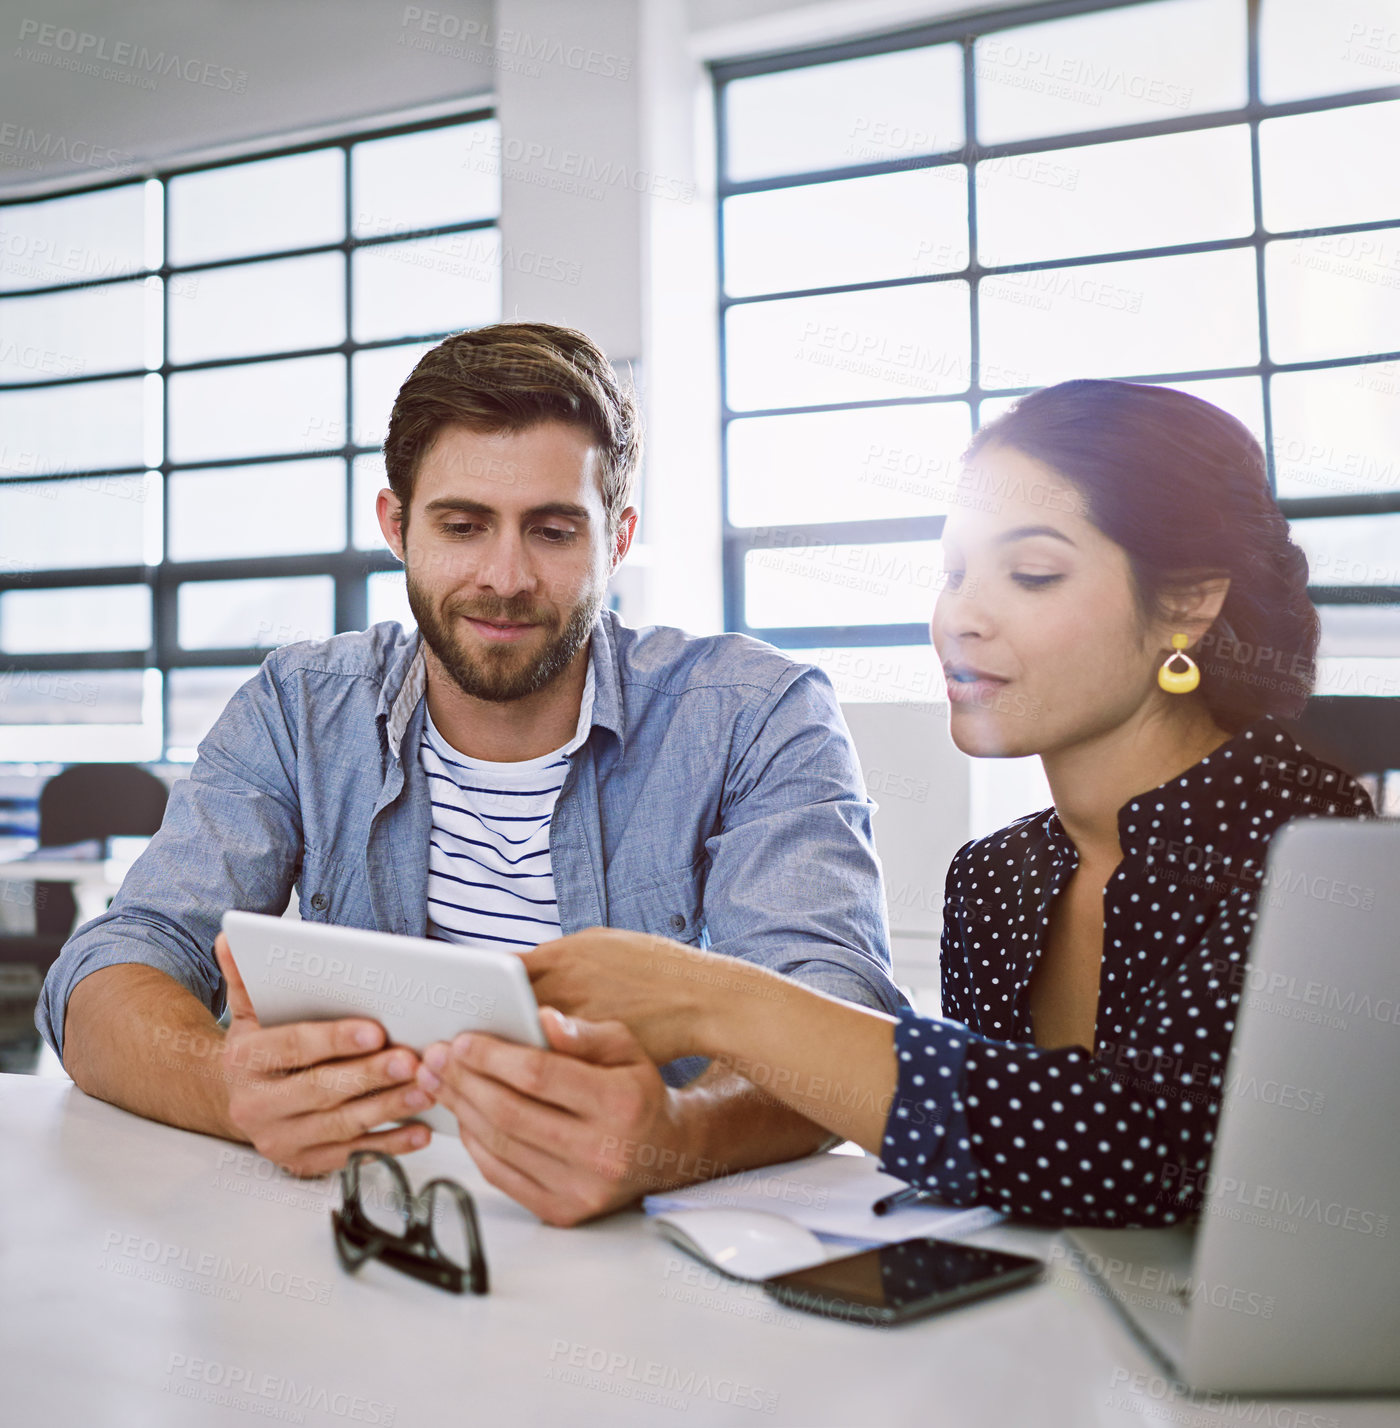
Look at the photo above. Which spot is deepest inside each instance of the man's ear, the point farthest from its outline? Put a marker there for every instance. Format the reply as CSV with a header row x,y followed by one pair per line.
x,y
1192,606
622,539
389,510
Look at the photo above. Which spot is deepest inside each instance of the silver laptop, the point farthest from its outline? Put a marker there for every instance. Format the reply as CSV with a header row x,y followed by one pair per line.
x,y
1290,1280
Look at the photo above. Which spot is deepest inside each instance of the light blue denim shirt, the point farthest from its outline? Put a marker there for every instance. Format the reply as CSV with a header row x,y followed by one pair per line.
x,y
716,800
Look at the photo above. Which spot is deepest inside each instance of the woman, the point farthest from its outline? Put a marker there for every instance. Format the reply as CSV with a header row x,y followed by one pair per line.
x,y
1123,600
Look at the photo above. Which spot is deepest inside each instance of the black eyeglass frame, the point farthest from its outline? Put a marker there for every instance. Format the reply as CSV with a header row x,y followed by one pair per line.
x,y
416,1251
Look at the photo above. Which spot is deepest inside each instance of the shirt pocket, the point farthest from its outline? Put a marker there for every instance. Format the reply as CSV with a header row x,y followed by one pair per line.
x,y
671,907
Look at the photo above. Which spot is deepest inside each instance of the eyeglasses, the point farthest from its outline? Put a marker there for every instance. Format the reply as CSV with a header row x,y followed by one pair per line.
x,y
432,1235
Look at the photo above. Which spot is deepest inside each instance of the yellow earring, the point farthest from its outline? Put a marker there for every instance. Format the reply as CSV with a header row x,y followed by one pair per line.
x,y
1179,681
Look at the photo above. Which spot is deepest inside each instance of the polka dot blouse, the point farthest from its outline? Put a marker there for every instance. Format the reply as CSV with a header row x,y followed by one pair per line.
x,y
1068,1136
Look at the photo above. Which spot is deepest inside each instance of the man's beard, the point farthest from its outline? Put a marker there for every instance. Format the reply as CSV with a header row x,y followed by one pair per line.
x,y
492,676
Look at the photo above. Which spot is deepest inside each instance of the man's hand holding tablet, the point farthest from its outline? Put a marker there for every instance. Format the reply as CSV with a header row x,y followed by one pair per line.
x,y
307,1093
301,994
570,1136
571,1128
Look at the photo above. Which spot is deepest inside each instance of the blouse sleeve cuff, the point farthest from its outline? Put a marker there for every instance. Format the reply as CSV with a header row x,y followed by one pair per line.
x,y
927,1141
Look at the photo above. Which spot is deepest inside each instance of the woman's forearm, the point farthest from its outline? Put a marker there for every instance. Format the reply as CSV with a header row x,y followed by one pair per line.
x,y
829,1059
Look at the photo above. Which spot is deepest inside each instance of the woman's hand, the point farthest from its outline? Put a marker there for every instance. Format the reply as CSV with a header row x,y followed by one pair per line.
x,y
661,989
827,1059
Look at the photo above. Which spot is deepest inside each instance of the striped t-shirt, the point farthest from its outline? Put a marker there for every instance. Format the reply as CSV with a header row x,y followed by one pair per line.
x,y
489,874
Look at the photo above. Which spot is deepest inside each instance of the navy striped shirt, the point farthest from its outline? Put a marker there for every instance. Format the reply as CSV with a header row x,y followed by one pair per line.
x,y
489,874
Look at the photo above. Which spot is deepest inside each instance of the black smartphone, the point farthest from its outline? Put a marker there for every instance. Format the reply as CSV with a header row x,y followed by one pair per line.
x,y
893,1283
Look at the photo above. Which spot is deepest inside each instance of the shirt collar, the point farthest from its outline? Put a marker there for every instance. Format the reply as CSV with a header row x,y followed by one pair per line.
x,y
406,681
1184,809
607,682
585,711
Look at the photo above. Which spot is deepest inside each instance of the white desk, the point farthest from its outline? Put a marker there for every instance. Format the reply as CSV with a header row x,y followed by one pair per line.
x,y
96,1205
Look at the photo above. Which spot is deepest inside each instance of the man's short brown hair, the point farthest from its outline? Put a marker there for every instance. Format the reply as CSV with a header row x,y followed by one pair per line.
x,y
507,377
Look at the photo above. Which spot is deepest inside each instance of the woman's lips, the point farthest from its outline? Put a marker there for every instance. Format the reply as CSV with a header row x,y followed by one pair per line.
x,y
498,633
981,691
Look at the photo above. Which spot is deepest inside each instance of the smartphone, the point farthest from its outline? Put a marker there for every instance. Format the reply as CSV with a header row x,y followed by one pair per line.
x,y
902,1281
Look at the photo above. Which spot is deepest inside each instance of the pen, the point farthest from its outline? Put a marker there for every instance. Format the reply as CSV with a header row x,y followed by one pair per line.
x,y
908,1195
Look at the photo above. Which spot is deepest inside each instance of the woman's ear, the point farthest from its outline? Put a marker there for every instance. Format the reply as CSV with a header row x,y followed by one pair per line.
x,y
1193,606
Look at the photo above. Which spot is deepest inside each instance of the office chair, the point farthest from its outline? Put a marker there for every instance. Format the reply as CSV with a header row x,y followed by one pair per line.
x,y
91,801
84,801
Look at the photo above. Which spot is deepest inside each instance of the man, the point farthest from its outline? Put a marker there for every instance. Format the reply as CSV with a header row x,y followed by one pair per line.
x,y
521,765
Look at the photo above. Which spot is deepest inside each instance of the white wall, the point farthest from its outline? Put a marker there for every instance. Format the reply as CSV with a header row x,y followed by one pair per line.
x,y
605,163
921,786
722,29
135,82
176,77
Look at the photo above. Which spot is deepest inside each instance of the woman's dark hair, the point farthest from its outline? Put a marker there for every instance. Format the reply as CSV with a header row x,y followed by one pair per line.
x,y
1182,487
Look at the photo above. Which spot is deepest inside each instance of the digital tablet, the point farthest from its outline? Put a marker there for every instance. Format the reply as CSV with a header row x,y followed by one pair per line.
x,y
418,990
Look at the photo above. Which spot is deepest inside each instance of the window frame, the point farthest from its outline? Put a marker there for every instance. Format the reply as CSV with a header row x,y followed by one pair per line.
x,y
738,541
349,567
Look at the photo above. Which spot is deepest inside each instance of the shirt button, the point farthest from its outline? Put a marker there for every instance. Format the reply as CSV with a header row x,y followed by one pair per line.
x,y
677,922
320,902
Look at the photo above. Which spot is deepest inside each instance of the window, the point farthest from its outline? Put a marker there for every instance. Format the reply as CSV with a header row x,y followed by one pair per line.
x,y
196,371
915,229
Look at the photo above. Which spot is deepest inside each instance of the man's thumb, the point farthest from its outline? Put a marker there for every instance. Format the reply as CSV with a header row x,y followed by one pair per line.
x,y
240,1004
605,1043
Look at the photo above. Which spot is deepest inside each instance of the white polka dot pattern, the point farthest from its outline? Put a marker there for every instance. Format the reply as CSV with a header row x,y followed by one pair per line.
x,y
1066,1136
